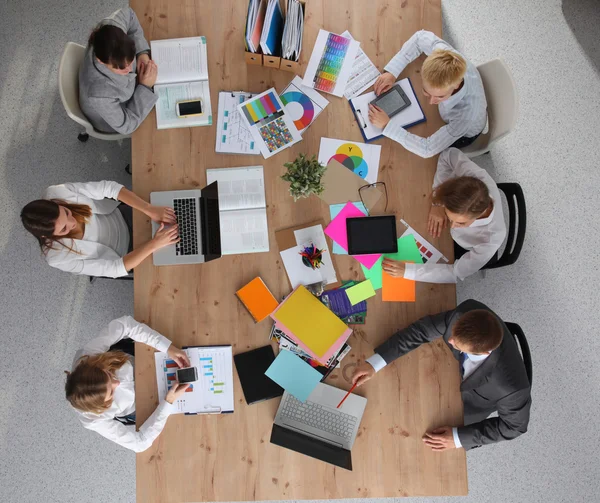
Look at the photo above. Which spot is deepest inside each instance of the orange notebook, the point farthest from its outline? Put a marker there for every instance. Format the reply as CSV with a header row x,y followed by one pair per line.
x,y
257,299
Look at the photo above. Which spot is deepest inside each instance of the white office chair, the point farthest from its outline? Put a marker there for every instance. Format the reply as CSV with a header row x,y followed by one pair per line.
x,y
502,106
68,86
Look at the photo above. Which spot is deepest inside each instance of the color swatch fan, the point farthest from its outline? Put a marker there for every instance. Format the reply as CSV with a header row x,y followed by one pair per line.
x,y
269,124
302,103
331,62
360,158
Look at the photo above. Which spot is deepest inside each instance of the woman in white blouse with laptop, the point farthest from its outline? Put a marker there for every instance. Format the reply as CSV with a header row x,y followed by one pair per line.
x,y
101,387
82,229
467,197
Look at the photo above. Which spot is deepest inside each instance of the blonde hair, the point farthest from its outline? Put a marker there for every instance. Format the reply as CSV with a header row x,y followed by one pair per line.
x,y
87,385
443,69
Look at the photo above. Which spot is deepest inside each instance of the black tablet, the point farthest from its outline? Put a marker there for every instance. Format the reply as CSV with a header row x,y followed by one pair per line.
x,y
372,235
392,102
251,368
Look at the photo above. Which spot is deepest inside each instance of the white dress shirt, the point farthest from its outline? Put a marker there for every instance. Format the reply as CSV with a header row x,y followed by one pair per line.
x,y
481,239
470,365
91,256
465,112
123,402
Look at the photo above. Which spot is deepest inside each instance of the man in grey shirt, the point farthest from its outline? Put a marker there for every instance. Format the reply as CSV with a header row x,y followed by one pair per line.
x,y
492,369
109,95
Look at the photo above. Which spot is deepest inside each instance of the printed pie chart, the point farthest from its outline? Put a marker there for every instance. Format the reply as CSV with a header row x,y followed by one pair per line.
x,y
300,108
350,156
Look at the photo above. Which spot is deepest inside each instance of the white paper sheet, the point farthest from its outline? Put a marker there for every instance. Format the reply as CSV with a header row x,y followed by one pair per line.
x,y
239,188
302,103
315,235
360,158
244,231
170,94
364,73
233,133
298,273
342,65
408,116
180,59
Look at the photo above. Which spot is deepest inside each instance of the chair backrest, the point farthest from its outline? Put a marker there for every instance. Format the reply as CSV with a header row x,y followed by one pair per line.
x,y
68,82
519,336
502,105
517,224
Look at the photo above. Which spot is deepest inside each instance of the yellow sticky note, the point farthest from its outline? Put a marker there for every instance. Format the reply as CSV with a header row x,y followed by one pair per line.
x,y
360,292
310,321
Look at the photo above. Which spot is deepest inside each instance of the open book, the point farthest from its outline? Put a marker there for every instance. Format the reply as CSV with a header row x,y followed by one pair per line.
x,y
242,209
182,75
212,393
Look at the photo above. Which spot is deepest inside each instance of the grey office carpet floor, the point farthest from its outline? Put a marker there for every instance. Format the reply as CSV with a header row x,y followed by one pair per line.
x,y
553,50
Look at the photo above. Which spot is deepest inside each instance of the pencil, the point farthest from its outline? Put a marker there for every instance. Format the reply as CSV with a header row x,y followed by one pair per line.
x,y
344,399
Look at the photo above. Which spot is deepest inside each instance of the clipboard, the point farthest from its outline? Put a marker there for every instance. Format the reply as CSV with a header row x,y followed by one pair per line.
x,y
362,116
286,239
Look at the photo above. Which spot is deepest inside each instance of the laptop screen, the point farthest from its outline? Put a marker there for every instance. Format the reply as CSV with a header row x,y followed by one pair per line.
x,y
372,235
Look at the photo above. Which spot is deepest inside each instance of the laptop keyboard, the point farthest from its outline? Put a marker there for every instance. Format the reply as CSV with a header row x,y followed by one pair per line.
x,y
185,211
320,417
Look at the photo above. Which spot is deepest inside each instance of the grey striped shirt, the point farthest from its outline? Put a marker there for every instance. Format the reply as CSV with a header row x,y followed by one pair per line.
x,y
464,112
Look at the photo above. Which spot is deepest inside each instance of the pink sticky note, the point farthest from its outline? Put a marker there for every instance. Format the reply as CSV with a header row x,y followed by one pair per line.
x,y
336,230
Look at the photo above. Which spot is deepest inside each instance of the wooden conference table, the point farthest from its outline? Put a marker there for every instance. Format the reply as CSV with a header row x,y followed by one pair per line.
x,y
229,457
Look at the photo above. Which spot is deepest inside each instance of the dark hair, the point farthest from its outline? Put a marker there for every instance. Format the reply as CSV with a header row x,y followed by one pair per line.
x,y
39,218
112,46
465,195
479,329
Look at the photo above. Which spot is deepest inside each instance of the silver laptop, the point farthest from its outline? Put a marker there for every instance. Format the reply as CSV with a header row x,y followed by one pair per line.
x,y
197,213
317,428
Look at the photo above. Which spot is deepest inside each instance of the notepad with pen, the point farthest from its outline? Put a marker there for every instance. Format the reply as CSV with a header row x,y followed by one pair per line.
x,y
212,393
410,116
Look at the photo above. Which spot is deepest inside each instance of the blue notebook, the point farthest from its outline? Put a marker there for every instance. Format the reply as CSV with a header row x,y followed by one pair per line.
x,y
410,116
270,39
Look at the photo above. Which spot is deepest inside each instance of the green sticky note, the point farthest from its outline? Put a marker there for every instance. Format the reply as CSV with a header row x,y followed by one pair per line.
x,y
407,251
360,292
374,274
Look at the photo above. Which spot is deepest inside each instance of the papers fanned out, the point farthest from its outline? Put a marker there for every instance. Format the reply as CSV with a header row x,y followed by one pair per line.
x,y
302,103
429,253
330,64
364,73
408,117
254,23
291,43
212,393
182,75
242,209
270,39
233,132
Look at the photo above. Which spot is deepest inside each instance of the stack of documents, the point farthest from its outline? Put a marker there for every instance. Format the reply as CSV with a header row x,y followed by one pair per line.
x,y
291,43
254,23
270,39
337,300
312,326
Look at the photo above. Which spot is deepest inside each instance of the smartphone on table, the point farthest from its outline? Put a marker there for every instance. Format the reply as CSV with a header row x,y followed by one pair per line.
x,y
189,108
187,375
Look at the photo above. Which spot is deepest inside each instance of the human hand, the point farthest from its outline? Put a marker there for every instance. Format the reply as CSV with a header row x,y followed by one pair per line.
x,y
147,73
437,220
142,59
176,391
178,356
440,439
378,117
165,236
162,214
394,267
383,83
362,373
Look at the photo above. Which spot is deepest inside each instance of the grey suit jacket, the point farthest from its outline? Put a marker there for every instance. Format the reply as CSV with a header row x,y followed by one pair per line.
x,y
115,103
500,383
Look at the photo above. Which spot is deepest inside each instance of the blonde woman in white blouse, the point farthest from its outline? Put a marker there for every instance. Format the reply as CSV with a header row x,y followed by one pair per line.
x,y
80,230
466,197
101,387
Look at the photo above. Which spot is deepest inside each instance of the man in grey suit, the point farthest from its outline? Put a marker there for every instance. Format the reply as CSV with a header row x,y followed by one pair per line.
x,y
109,95
492,369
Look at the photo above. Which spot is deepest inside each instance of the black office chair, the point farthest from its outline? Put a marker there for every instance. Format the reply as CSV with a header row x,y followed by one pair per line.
x,y
521,341
129,277
517,223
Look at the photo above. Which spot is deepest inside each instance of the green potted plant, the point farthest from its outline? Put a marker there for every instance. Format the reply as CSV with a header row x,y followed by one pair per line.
x,y
304,175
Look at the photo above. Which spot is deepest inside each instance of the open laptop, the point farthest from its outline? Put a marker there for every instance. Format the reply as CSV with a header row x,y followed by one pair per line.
x,y
316,428
197,213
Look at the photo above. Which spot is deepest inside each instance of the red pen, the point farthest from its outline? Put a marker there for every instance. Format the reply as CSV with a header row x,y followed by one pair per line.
x,y
344,399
